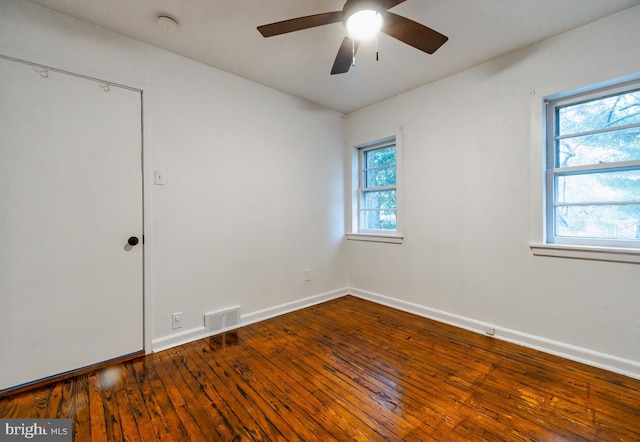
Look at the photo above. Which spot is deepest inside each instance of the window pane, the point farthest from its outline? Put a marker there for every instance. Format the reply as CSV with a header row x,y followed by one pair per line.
x,y
380,177
610,222
617,110
598,187
385,199
378,219
385,156
607,147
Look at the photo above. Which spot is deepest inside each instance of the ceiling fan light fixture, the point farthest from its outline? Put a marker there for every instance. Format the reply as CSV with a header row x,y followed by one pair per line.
x,y
363,19
364,22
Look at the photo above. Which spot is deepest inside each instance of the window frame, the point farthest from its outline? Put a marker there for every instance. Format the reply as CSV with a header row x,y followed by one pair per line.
x,y
357,149
552,105
539,96
362,187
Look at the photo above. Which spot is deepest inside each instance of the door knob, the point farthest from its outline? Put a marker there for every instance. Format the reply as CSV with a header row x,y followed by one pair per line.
x,y
133,240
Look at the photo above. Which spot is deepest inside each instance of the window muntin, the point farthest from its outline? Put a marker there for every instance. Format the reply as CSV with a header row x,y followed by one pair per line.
x,y
377,188
593,176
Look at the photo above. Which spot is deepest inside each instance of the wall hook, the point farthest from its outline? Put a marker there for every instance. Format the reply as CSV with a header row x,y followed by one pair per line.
x,y
106,87
44,73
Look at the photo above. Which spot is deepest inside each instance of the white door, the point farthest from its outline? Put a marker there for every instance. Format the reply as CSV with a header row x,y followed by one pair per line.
x,y
70,198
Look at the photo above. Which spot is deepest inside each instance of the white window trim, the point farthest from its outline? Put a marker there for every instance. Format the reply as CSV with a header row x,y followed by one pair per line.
x,y
539,244
375,237
355,145
586,252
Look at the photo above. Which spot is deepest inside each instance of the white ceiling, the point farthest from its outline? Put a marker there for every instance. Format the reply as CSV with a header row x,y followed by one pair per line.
x,y
222,34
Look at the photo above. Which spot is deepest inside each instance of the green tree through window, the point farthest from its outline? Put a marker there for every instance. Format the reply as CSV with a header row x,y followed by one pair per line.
x,y
594,154
377,189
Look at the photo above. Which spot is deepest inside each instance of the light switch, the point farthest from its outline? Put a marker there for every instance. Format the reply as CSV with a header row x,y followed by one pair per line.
x,y
159,178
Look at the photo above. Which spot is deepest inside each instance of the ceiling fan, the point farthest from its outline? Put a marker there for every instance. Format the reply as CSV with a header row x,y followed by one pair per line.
x,y
363,19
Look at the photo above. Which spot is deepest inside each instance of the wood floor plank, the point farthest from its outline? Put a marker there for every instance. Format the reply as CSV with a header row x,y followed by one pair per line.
x,y
457,369
197,419
138,405
272,417
362,364
183,422
220,392
377,402
458,393
267,368
279,397
489,424
53,406
179,423
346,369
157,423
163,416
97,417
41,400
296,379
81,417
414,367
10,406
228,425
130,429
336,389
113,426
535,389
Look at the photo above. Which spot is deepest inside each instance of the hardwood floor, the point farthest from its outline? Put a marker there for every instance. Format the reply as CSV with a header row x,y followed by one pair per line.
x,y
347,369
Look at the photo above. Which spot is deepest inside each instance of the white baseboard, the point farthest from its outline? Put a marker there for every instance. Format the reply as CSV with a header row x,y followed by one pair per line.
x,y
601,360
180,338
281,309
194,334
568,351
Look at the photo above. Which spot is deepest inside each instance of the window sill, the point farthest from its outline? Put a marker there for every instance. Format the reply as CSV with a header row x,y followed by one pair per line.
x,y
374,237
587,252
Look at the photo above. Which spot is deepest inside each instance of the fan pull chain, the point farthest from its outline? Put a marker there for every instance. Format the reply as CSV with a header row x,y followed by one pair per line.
x,y
353,52
377,58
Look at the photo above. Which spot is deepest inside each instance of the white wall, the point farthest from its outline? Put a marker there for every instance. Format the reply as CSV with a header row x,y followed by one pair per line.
x,y
468,149
253,190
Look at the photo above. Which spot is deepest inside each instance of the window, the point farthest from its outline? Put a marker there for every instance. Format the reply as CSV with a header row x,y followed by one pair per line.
x,y
593,168
377,189
375,185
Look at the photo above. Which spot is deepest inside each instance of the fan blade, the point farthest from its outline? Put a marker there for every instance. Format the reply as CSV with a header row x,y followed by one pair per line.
x,y
388,4
300,23
412,33
345,56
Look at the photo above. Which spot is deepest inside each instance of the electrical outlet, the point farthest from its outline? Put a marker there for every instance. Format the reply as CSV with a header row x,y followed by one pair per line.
x,y
176,321
307,274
